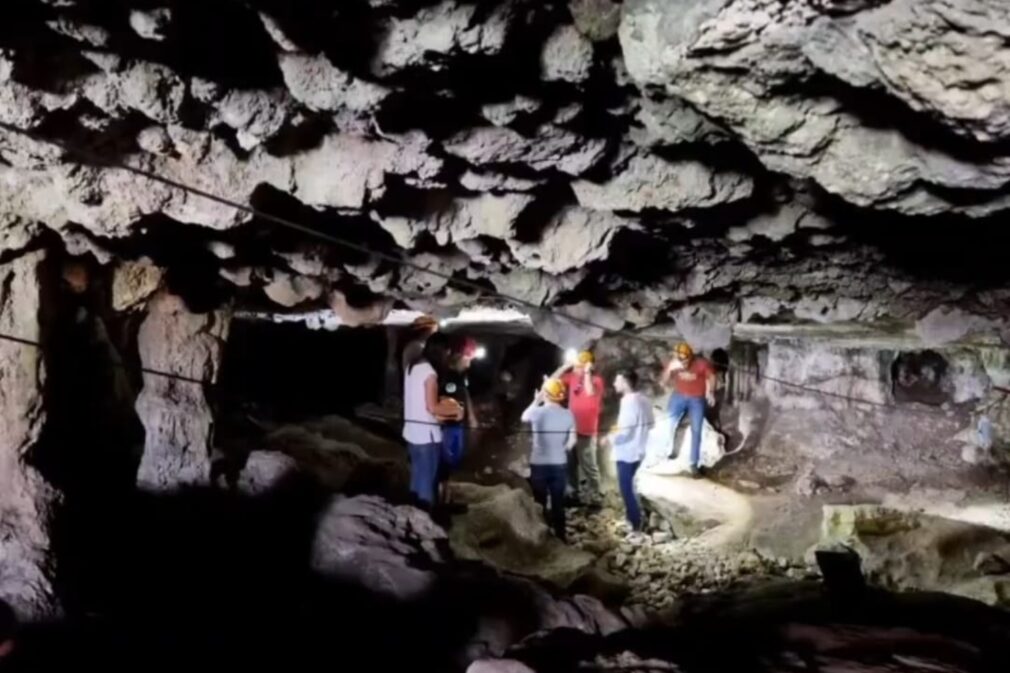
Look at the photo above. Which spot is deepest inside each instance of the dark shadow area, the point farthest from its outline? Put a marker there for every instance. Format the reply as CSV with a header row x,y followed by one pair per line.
x,y
920,376
801,627
207,577
297,372
92,440
935,250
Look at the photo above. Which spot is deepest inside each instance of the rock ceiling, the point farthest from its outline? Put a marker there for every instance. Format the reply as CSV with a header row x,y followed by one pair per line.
x,y
644,162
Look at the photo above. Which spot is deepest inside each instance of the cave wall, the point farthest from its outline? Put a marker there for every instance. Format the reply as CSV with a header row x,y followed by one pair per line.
x,y
178,414
27,500
827,405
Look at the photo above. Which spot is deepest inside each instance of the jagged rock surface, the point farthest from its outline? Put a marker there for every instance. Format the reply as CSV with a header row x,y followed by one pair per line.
x,y
711,128
176,414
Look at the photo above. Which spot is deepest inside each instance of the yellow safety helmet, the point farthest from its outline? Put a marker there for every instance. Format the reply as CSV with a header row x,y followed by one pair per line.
x,y
684,351
586,358
554,390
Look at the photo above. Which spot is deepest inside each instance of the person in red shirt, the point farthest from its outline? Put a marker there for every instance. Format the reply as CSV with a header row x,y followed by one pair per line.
x,y
691,380
585,400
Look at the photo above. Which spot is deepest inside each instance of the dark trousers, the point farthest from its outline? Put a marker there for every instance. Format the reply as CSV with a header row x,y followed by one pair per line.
x,y
626,480
548,483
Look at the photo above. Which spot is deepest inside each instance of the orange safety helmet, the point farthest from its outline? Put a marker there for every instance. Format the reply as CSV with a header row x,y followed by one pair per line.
x,y
683,351
554,390
424,323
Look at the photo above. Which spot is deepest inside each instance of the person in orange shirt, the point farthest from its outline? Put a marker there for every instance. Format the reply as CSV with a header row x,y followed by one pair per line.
x,y
585,400
691,380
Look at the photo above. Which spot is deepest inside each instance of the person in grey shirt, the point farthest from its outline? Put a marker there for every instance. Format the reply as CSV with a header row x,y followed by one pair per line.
x,y
634,422
553,437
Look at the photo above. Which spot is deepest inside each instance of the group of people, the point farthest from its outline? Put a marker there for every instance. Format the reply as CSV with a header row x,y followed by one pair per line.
x,y
564,419
564,460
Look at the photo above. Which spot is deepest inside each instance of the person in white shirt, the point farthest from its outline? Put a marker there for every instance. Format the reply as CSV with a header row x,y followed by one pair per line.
x,y
421,428
634,421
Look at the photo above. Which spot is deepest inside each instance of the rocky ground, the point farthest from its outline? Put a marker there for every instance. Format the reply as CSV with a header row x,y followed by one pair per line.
x,y
659,568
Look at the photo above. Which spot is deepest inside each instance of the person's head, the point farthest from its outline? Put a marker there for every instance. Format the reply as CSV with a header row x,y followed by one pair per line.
x,y
684,353
554,391
436,350
75,276
626,381
585,359
423,326
464,350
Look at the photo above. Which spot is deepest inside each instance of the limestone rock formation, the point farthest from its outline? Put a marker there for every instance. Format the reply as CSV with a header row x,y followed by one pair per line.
x,y
175,412
651,182
26,499
711,128
692,49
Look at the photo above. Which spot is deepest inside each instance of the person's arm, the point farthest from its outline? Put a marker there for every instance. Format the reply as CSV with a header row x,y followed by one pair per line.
x,y
530,412
667,377
570,444
625,423
431,393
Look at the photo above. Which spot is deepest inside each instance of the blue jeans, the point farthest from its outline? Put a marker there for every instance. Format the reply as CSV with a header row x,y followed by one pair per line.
x,y
453,441
548,481
626,480
695,406
424,470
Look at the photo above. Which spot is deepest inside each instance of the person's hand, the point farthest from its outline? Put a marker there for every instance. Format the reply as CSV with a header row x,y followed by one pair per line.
x,y
710,399
473,422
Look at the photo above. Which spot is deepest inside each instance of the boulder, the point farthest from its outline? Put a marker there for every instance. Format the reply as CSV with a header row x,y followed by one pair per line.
x,y
504,528
133,283
903,550
386,549
263,471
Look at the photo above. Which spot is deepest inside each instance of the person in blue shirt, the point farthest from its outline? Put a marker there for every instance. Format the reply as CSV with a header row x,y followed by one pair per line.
x,y
553,429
